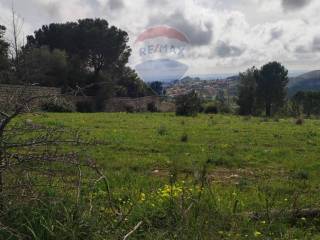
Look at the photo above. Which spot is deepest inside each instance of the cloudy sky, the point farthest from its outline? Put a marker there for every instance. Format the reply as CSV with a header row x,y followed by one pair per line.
x,y
226,36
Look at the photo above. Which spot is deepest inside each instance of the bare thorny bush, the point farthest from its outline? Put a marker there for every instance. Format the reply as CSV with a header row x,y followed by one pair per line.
x,y
37,160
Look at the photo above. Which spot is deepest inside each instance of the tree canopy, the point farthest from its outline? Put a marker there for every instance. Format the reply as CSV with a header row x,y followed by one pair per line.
x,y
247,91
96,55
92,41
44,67
265,88
4,63
271,86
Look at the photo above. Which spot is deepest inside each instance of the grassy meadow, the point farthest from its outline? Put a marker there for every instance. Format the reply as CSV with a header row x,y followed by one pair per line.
x,y
198,177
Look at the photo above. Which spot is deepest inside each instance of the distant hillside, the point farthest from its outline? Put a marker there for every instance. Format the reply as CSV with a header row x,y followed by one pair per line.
x,y
309,81
306,82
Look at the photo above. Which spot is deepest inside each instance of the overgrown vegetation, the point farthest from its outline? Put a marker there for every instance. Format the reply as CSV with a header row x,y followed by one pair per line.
x,y
188,105
58,105
263,89
307,102
235,178
88,57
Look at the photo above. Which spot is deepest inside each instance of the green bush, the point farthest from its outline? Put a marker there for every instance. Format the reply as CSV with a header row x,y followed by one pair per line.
x,y
151,107
85,106
224,108
129,109
300,121
162,130
58,105
184,138
211,109
188,105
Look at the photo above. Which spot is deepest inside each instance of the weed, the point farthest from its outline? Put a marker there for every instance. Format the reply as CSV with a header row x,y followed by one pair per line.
x,y
162,130
184,138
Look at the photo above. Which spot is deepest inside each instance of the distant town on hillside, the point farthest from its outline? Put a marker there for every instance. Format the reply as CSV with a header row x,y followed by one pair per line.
x,y
209,86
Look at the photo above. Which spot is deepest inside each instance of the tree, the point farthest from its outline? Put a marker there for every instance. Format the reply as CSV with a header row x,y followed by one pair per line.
x,y
4,46
89,43
43,67
157,87
247,91
130,85
271,86
97,55
309,101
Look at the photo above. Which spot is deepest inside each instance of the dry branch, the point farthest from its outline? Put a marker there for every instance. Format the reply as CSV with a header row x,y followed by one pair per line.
x,y
132,231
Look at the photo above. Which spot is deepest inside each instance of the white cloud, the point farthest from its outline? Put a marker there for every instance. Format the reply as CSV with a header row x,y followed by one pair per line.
x,y
248,32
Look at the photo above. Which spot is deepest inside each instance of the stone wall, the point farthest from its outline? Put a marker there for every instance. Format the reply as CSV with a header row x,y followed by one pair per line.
x,y
12,94
128,104
10,90
112,105
139,104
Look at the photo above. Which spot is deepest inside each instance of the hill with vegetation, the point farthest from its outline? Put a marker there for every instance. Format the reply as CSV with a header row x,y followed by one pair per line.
x,y
306,82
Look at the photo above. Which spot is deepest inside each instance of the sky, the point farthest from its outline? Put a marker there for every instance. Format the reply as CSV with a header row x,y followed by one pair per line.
x,y
226,36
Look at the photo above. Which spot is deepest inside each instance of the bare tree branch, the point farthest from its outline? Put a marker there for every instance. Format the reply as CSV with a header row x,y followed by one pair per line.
x,y
133,230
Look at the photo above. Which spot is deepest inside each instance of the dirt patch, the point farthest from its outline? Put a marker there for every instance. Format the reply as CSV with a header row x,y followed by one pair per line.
x,y
230,176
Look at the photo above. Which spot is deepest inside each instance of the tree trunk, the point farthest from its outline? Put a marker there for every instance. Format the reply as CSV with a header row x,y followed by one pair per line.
x,y
268,109
1,177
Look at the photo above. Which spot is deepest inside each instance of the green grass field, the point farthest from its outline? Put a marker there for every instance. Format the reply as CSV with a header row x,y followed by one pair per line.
x,y
201,177
142,143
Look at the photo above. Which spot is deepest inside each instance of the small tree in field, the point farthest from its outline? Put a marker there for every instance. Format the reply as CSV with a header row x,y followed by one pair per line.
x,y
188,105
271,86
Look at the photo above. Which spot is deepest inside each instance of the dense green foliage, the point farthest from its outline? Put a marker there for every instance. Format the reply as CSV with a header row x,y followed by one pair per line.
x,y
211,109
91,41
271,86
188,105
43,67
58,105
247,98
263,89
87,57
97,55
308,101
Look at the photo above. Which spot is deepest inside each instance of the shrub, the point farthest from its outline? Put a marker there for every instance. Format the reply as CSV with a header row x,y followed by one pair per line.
x,y
224,108
184,138
151,107
188,105
162,130
211,109
300,121
300,175
58,105
129,109
85,106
